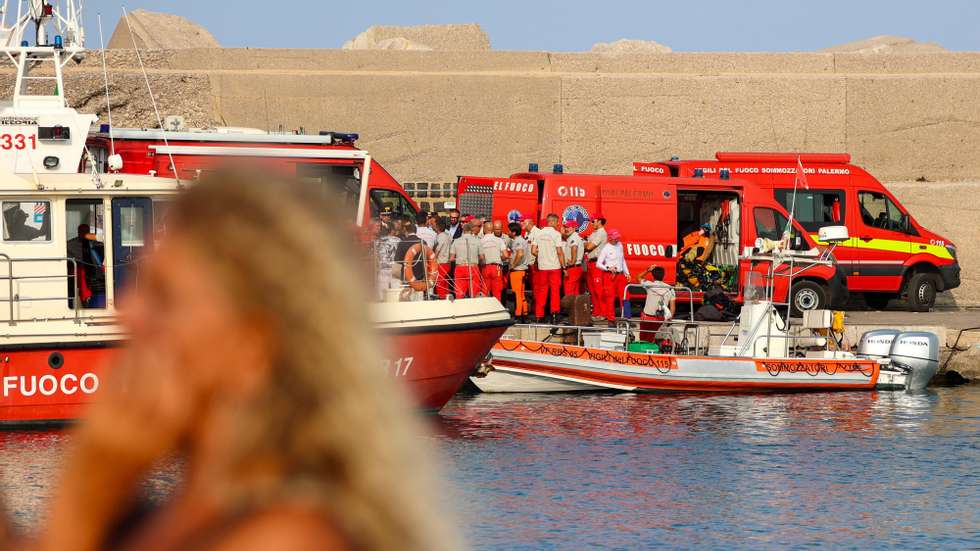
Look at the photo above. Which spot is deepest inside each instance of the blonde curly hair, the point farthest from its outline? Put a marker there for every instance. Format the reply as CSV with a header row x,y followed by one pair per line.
x,y
347,439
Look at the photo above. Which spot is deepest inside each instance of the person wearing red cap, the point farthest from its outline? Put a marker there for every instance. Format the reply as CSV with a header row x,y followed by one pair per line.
x,y
593,277
574,253
615,274
547,247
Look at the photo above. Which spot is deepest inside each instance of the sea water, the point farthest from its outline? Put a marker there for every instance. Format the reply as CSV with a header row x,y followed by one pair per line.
x,y
641,471
631,471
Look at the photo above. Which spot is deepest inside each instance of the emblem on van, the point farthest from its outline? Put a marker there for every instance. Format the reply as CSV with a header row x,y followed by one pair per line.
x,y
514,216
577,214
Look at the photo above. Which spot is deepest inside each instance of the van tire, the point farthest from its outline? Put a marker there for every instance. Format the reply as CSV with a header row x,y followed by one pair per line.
x,y
878,301
921,292
807,295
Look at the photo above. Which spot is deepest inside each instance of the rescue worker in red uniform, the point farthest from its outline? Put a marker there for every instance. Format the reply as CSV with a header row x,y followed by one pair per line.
x,y
444,242
494,252
593,277
574,254
615,274
465,253
548,248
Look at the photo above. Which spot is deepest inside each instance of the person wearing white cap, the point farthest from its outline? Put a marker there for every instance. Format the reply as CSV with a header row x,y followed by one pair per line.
x,y
611,261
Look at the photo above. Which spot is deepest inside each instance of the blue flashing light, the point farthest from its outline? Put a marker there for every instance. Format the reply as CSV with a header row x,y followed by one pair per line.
x,y
104,128
59,42
532,167
725,174
558,169
25,44
699,173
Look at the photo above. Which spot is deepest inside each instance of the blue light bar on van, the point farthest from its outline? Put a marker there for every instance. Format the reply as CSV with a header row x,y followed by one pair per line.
x,y
341,137
558,169
724,174
104,128
699,173
532,167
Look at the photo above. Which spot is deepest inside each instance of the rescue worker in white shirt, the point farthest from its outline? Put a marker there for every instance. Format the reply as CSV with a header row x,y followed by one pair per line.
x,y
593,277
444,243
498,230
425,230
520,253
465,253
661,302
546,285
494,252
615,274
574,254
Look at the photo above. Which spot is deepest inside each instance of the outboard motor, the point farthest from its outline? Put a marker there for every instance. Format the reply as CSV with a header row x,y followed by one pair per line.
x,y
916,353
877,344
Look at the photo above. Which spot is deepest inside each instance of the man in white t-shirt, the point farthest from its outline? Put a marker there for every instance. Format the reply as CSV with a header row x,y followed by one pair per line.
x,y
615,274
596,240
426,222
443,248
660,304
548,248
574,256
494,252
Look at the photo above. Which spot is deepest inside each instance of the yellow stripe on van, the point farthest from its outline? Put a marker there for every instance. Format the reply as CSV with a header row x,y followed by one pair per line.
x,y
896,246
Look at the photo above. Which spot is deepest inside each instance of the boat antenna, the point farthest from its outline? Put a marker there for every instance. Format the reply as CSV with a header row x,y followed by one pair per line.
x,y
153,100
108,102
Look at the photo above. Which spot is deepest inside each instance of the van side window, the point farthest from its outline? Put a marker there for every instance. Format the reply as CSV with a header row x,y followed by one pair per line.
x,y
771,224
26,221
878,211
815,208
381,198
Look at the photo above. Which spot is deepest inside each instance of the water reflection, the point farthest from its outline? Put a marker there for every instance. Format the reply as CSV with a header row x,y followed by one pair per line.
x,y
633,471
636,471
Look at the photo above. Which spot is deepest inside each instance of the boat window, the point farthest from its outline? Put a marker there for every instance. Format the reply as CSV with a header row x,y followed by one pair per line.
x,y
878,211
85,226
26,221
381,198
814,208
131,225
771,224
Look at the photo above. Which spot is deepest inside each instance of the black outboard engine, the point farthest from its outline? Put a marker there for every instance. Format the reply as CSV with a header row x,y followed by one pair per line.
x,y
917,354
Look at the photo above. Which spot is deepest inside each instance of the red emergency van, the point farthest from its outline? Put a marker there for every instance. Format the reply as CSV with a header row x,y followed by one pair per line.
x,y
889,255
653,215
331,158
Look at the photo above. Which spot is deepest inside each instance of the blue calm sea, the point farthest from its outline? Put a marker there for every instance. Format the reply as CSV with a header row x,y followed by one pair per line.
x,y
627,471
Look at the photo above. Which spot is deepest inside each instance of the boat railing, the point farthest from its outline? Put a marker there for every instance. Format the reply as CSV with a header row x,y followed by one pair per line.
x,y
13,298
687,337
675,288
794,348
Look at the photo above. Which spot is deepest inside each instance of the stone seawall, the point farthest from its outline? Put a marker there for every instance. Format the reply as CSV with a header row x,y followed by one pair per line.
x,y
429,116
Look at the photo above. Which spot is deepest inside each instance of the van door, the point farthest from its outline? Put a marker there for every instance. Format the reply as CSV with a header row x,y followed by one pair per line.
x,y
883,240
132,237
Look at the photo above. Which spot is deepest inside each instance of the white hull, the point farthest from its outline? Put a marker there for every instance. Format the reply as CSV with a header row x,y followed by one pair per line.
x,y
511,381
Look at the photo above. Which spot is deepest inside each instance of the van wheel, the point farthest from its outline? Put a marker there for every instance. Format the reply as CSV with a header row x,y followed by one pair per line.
x,y
807,295
922,290
878,301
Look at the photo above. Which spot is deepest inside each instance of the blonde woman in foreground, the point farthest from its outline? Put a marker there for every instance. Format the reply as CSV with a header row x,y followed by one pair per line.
x,y
251,358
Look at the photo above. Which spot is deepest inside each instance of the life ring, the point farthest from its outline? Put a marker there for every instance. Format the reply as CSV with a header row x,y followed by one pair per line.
x,y
432,268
